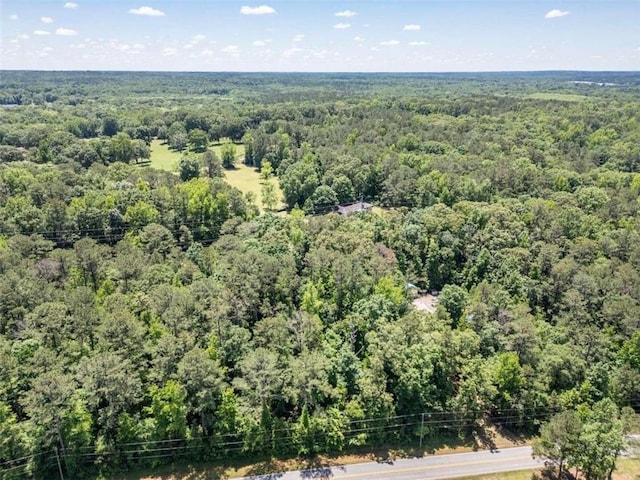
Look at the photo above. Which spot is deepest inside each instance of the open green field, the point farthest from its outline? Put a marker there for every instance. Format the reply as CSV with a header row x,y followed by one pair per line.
x,y
247,179
162,158
244,178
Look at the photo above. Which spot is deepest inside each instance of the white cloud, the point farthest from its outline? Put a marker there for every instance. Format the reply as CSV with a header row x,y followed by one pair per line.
x,y
290,52
167,52
206,53
298,38
358,39
71,5
412,27
23,36
46,19
259,43
147,11
342,26
126,48
261,10
417,44
198,38
231,49
346,13
41,32
65,32
555,13
13,17
390,43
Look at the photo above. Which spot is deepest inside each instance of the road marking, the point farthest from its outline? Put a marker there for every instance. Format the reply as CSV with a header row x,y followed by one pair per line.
x,y
429,467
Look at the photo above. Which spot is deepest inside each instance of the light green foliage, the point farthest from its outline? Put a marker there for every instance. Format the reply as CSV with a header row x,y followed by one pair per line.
x,y
601,441
311,302
168,410
305,432
559,440
389,288
140,214
266,171
206,210
268,195
508,376
590,440
228,414
228,155
630,351
13,439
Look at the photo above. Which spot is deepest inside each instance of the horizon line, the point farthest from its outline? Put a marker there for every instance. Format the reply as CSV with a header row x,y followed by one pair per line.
x,y
315,71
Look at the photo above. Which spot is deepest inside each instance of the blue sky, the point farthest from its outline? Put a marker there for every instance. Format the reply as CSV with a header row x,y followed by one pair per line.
x,y
315,35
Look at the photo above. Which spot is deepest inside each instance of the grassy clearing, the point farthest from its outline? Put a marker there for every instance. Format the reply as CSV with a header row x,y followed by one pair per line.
x,y
217,147
162,158
247,179
561,97
628,469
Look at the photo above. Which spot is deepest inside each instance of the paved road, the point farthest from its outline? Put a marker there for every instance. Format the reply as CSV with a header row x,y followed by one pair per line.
x,y
430,467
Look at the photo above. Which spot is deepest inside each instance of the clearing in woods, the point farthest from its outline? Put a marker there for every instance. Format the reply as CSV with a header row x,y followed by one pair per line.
x,y
244,178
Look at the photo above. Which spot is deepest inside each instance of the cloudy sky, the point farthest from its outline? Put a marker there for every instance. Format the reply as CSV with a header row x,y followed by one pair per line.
x,y
320,35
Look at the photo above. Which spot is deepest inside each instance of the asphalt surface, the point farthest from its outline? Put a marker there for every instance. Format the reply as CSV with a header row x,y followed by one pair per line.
x,y
429,467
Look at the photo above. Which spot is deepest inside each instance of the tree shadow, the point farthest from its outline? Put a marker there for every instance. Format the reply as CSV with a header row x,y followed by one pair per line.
x,y
515,438
315,468
267,470
186,472
387,457
484,439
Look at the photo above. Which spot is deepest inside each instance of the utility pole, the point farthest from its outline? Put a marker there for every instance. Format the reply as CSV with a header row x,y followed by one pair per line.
x,y
59,464
421,430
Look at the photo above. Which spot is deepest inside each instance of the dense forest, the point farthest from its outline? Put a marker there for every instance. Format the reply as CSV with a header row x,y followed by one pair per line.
x,y
148,316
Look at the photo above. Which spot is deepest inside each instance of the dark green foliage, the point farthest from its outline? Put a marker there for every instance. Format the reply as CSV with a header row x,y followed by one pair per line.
x,y
188,168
